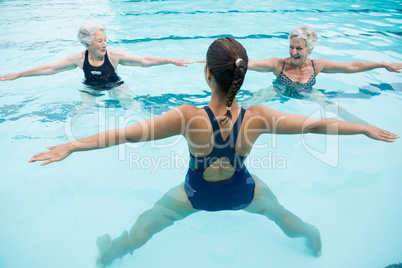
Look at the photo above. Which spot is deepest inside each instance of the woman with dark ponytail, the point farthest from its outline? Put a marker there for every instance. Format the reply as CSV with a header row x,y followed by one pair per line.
x,y
227,60
219,136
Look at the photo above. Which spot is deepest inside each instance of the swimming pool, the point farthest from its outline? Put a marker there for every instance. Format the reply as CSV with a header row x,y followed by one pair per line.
x,y
349,187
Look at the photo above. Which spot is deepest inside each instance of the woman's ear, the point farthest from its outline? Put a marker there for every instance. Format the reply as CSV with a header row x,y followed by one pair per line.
x,y
208,73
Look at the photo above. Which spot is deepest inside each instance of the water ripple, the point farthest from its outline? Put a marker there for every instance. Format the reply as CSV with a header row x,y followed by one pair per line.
x,y
281,11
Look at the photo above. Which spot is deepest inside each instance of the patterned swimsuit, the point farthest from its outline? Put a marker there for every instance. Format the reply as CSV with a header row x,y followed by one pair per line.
x,y
287,87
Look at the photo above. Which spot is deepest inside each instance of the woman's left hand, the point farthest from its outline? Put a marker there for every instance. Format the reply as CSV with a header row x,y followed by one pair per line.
x,y
394,67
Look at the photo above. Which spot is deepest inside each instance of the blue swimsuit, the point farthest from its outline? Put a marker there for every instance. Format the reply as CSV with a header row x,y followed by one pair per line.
x,y
234,193
102,77
286,87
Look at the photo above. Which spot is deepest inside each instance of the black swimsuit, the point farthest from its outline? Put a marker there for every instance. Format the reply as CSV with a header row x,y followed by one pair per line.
x,y
234,193
287,87
102,77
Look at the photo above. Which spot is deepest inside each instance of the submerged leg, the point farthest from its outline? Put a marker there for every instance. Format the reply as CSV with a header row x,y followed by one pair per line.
x,y
173,206
88,99
74,119
124,95
261,96
265,203
333,107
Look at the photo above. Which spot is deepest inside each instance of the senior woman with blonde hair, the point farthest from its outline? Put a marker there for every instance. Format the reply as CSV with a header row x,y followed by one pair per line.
x,y
99,65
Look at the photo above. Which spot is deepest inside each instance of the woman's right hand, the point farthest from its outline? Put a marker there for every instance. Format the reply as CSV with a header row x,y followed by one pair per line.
x,y
56,153
8,77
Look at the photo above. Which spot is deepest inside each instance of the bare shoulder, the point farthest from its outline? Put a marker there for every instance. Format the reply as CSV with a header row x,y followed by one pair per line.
x,y
124,58
190,111
115,53
119,54
270,62
277,64
260,110
76,56
278,61
259,116
322,64
76,59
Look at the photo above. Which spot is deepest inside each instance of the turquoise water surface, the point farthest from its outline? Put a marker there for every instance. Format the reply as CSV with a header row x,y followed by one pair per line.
x,y
349,186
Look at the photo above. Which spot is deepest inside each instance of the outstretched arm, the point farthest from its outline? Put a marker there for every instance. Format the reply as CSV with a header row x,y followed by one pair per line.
x,y
267,65
333,126
125,58
163,126
327,66
65,64
284,123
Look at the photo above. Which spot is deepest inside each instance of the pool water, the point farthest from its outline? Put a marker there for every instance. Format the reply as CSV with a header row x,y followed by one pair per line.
x,y
348,186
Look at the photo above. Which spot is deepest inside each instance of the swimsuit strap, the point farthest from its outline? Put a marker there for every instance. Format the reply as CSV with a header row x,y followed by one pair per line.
x,y
103,77
106,60
220,148
215,126
284,63
283,67
312,64
237,125
86,57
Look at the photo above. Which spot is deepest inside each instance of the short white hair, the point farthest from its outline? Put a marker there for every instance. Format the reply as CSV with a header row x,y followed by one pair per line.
x,y
305,32
87,31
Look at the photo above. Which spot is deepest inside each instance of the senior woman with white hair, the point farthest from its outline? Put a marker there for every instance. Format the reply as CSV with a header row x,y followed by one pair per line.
x,y
99,65
296,74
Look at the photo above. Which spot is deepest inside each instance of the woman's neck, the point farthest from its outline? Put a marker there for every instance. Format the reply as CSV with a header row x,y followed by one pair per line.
x,y
95,57
218,101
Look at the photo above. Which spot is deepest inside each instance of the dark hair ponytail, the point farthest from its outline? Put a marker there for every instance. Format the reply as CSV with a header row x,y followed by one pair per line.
x,y
227,59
